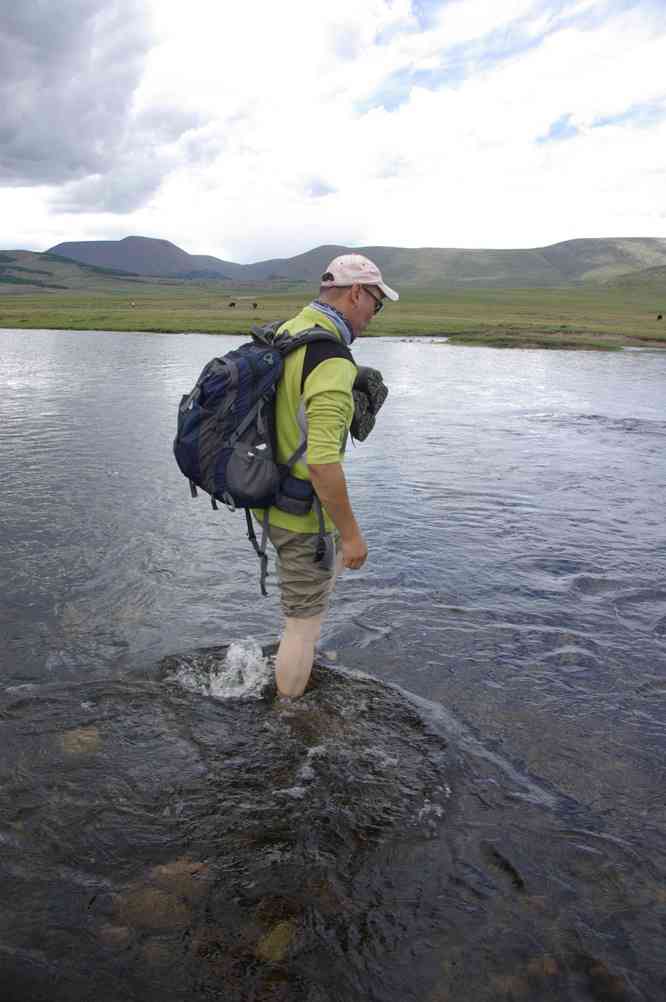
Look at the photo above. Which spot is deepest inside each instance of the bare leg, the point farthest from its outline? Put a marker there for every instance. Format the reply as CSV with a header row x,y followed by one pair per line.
x,y
293,662
295,655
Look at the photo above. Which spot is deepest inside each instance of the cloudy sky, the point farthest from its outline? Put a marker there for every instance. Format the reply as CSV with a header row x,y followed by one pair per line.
x,y
260,129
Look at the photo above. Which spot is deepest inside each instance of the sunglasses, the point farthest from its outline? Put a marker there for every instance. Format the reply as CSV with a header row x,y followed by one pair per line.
x,y
379,303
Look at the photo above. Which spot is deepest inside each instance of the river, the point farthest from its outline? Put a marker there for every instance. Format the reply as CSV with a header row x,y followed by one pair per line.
x,y
468,804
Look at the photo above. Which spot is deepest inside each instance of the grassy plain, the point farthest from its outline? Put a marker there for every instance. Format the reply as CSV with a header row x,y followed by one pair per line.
x,y
601,317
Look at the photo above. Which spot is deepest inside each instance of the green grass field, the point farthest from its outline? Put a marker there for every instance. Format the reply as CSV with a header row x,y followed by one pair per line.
x,y
594,317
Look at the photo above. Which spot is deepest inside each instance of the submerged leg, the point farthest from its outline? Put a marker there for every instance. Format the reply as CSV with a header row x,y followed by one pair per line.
x,y
295,655
293,662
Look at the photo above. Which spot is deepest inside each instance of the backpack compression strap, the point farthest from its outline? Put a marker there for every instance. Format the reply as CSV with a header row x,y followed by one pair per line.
x,y
260,550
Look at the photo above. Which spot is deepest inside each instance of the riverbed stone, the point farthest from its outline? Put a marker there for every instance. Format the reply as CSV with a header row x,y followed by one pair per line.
x,y
273,947
184,877
81,741
607,985
151,908
511,986
543,967
536,901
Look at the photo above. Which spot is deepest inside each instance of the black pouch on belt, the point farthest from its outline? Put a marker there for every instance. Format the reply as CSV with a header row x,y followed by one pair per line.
x,y
295,496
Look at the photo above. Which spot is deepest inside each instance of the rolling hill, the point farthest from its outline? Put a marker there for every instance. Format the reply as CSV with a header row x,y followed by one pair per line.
x,y
646,280
30,271
571,262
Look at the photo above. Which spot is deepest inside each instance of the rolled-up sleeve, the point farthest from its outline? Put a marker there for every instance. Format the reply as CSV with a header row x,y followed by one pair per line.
x,y
329,408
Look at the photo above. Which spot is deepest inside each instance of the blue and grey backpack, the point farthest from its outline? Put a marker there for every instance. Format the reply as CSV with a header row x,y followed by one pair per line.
x,y
226,438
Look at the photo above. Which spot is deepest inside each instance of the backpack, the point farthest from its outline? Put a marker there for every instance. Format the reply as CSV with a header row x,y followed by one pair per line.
x,y
225,441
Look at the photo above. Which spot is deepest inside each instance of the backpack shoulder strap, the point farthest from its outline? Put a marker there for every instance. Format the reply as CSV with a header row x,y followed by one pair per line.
x,y
320,351
321,344
290,342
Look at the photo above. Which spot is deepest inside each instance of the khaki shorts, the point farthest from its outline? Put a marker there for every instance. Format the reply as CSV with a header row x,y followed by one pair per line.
x,y
305,586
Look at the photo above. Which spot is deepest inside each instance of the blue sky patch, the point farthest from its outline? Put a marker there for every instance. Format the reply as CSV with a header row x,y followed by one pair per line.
x,y
499,45
316,188
397,88
457,63
424,17
596,16
562,128
426,12
641,115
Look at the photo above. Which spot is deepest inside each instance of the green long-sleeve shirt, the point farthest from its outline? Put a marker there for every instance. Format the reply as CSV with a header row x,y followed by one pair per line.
x,y
322,414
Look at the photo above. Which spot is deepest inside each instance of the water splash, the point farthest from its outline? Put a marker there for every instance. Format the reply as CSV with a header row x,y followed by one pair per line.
x,y
242,671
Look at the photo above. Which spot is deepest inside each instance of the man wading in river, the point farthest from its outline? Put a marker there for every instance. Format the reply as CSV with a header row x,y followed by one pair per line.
x,y
314,409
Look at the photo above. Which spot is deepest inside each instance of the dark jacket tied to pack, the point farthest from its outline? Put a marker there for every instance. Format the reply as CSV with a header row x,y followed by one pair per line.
x,y
369,392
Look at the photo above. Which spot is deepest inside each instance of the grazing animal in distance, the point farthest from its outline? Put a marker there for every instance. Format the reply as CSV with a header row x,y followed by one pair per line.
x,y
232,303
254,305
660,316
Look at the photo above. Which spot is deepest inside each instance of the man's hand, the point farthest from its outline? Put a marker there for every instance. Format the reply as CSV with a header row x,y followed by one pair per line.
x,y
354,552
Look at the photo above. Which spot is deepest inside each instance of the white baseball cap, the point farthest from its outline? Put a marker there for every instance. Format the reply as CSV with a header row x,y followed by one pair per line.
x,y
350,269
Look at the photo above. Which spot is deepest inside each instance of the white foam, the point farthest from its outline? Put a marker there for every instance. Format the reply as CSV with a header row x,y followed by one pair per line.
x,y
430,816
430,811
244,673
295,792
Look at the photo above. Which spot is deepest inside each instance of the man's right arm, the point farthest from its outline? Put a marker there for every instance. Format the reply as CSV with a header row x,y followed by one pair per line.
x,y
329,407
328,481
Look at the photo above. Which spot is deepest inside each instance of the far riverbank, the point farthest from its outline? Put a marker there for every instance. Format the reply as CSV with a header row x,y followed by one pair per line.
x,y
600,318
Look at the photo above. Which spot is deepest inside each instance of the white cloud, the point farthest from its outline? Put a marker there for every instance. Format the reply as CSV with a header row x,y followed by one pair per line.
x,y
252,132
466,20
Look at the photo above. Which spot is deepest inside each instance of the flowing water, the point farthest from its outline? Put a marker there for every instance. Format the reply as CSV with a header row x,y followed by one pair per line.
x,y
468,804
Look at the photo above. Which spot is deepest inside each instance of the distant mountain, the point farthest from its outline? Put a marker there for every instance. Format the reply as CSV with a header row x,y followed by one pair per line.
x,y
570,262
565,263
143,256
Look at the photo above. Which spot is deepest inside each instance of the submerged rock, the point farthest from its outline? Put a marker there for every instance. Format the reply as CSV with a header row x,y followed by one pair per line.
x,y
274,945
81,741
150,908
358,843
183,877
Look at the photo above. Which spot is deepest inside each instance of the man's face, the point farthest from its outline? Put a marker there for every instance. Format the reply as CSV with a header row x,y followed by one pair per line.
x,y
364,302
